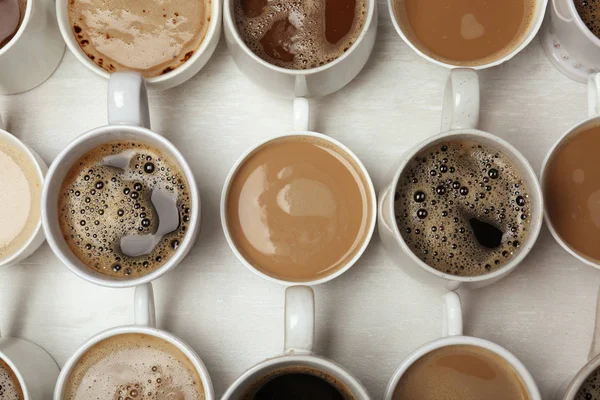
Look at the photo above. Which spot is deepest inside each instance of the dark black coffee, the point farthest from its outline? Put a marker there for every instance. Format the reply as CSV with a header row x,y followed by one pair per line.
x,y
298,383
590,389
589,11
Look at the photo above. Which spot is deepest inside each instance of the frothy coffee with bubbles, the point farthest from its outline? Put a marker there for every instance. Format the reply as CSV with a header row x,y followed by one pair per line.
x,y
299,34
134,366
589,11
590,388
463,208
124,208
10,388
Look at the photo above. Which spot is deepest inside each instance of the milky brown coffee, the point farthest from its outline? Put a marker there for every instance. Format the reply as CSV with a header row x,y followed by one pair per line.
x,y
298,208
124,208
465,32
152,37
463,207
10,388
12,13
460,372
134,366
299,35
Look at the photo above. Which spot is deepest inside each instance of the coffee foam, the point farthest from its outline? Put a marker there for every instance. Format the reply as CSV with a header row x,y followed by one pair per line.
x,y
299,369
590,388
134,366
10,388
589,11
99,204
149,36
454,182
11,19
299,28
20,195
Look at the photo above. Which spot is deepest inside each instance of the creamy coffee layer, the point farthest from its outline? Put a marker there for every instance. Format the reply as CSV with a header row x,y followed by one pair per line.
x,y
298,383
10,388
298,208
572,192
463,208
299,35
134,366
460,372
590,388
589,11
12,13
149,36
124,209
20,195
465,32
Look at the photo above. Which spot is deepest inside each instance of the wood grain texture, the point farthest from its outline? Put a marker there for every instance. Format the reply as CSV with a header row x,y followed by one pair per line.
x,y
372,317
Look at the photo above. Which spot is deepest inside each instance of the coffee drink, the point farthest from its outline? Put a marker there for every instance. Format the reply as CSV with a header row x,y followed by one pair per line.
x,y
297,383
460,372
12,13
134,366
572,192
299,35
10,388
462,207
589,11
152,37
465,32
298,208
20,195
124,209
590,388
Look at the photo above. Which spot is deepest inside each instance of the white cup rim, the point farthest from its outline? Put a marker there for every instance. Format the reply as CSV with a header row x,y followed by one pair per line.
x,y
500,351
581,376
69,38
535,222
228,18
371,195
527,38
582,26
188,240
17,373
5,135
574,130
192,356
311,359
21,30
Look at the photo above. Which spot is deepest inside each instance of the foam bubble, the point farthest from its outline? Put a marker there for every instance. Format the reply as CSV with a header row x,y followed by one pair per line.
x,y
589,11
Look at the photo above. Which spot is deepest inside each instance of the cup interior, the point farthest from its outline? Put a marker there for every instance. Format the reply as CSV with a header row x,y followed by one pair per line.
x,y
521,164
520,370
39,167
17,374
170,338
57,173
580,378
22,27
254,375
579,21
229,19
402,26
372,215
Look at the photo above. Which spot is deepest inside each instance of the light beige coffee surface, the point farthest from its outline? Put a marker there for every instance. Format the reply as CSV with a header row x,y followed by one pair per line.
x,y
134,366
298,208
10,388
149,36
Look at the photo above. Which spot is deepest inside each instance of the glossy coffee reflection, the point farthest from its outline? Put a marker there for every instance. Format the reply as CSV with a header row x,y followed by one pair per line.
x,y
298,208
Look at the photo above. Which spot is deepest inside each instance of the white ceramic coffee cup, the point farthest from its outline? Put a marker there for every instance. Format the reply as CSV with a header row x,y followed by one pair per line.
x,y
162,82
145,323
129,119
34,368
34,53
299,332
534,26
301,128
37,236
452,332
314,82
459,118
569,44
593,120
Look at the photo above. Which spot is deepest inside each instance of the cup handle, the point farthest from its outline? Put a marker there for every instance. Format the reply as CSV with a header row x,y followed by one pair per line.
x,y
128,100
460,109
595,347
594,94
560,11
453,323
301,114
144,313
299,320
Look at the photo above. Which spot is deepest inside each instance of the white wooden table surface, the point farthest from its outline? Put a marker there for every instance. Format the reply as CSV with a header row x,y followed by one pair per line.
x,y
373,316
